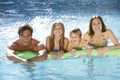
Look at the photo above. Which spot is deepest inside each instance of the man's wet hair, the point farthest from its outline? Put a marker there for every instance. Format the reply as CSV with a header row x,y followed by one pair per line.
x,y
25,27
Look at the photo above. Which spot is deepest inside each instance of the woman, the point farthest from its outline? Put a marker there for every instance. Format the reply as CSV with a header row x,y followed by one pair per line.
x,y
57,43
98,36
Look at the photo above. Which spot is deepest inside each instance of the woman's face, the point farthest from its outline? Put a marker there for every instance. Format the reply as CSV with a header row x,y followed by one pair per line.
x,y
96,25
58,30
75,38
25,37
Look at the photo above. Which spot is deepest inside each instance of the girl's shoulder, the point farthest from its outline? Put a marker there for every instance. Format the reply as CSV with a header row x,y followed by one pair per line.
x,y
48,37
66,39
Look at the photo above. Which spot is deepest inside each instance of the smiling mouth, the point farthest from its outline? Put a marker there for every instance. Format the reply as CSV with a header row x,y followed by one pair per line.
x,y
57,33
25,41
97,28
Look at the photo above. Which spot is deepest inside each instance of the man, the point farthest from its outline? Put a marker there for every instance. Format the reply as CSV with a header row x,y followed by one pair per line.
x,y
24,43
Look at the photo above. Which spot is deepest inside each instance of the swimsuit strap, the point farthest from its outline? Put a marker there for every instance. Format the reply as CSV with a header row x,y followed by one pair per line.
x,y
56,45
104,41
91,42
56,48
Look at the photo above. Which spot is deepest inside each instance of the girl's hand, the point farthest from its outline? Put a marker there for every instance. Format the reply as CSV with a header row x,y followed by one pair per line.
x,y
60,53
53,55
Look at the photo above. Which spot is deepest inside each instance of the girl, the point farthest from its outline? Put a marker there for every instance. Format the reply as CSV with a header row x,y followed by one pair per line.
x,y
57,43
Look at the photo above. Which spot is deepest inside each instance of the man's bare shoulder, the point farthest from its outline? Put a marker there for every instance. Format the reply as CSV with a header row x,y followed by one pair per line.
x,y
13,42
35,40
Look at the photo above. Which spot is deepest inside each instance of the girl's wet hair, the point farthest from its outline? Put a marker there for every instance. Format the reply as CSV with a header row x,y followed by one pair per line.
x,y
25,27
91,32
76,31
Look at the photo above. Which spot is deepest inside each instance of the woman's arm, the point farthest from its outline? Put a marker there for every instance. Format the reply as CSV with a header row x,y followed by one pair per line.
x,y
114,40
112,37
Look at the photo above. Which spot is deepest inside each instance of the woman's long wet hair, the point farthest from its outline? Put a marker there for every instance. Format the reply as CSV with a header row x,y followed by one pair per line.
x,y
91,31
53,36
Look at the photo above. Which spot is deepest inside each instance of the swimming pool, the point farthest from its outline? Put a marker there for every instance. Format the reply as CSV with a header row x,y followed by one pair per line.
x,y
41,14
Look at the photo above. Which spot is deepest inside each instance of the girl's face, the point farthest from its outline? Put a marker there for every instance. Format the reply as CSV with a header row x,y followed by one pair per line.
x,y
25,37
96,25
75,38
58,30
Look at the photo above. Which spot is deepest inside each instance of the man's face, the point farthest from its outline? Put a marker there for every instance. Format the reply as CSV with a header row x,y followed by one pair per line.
x,y
25,37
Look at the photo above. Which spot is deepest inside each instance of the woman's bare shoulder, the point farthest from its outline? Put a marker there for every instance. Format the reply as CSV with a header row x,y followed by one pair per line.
x,y
48,39
86,34
108,32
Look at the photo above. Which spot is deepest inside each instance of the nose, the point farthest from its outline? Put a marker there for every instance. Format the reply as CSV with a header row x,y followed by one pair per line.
x,y
26,37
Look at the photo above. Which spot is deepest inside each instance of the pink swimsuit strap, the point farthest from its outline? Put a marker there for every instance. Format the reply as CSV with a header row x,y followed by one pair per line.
x,y
104,41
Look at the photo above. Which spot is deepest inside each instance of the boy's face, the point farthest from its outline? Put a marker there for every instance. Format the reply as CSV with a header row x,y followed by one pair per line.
x,y
74,38
25,37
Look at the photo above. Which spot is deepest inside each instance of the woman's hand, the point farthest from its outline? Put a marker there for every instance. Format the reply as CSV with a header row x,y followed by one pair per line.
x,y
72,52
88,48
101,51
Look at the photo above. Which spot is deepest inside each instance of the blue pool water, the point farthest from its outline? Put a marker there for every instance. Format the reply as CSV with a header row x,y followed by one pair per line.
x,y
41,14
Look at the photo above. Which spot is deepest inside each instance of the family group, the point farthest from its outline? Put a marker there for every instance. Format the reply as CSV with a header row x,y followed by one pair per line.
x,y
57,44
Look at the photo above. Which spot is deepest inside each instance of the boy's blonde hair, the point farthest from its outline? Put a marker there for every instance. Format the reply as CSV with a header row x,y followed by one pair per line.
x,y
76,31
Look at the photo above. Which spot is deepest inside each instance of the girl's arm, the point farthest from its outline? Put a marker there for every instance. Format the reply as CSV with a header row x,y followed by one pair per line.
x,y
66,43
48,43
